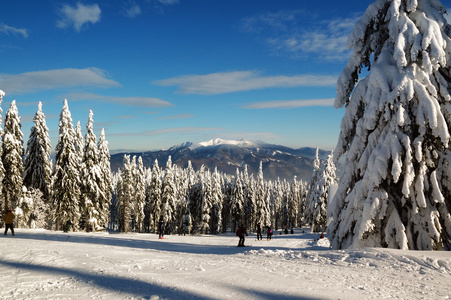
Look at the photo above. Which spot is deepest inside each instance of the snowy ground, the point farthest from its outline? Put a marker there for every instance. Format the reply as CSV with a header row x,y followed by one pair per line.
x,y
38,264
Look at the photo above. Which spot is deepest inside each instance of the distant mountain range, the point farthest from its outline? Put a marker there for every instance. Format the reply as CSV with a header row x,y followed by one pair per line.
x,y
228,155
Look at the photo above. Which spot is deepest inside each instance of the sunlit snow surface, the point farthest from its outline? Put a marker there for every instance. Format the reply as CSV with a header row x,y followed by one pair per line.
x,y
39,264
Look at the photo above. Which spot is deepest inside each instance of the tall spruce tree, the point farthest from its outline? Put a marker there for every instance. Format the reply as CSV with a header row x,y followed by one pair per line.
x,y
104,200
12,156
66,175
4,205
38,164
168,195
154,194
91,180
320,194
140,195
125,196
237,202
395,188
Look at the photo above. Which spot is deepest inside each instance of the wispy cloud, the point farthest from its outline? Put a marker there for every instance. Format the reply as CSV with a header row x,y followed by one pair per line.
x,y
12,30
248,135
132,10
301,35
129,101
287,104
53,79
168,2
126,117
227,82
168,131
177,117
78,16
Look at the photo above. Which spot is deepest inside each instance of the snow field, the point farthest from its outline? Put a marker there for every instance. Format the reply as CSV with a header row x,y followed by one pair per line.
x,y
39,264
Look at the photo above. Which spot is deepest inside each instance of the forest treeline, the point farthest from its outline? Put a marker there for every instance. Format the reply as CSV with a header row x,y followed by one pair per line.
x,y
78,191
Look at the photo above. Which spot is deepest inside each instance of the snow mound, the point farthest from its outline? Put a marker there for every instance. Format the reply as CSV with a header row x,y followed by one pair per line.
x,y
385,259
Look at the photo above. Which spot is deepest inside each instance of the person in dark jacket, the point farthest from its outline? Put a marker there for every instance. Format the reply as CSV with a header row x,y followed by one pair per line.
x,y
259,232
161,226
9,217
240,233
268,233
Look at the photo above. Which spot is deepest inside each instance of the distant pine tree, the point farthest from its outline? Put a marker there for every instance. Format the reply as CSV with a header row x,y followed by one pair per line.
x,y
154,194
125,196
104,200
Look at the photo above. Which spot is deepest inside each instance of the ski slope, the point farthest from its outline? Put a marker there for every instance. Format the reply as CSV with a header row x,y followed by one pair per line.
x,y
40,264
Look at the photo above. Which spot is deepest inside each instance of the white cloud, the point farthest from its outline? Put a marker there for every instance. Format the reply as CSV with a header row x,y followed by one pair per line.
x,y
284,34
163,131
12,30
132,10
129,101
79,15
287,104
53,79
177,117
227,82
168,2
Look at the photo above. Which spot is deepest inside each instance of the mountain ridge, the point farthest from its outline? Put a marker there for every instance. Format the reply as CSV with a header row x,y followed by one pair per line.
x,y
279,162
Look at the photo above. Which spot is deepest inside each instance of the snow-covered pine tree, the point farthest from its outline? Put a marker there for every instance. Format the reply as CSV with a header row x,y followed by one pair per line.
x,y
261,208
91,180
79,143
38,164
12,156
293,203
154,194
327,178
206,204
4,206
278,204
125,196
395,130
116,183
249,202
66,175
216,202
140,194
313,192
104,200
237,206
168,196
227,188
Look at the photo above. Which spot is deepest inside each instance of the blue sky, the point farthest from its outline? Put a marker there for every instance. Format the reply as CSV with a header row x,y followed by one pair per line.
x,y
157,73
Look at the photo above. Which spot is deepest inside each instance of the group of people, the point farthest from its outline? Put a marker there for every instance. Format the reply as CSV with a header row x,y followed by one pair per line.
x,y
241,232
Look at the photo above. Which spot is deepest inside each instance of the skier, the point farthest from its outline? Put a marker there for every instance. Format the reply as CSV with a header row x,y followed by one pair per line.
x,y
240,233
9,222
268,233
187,223
161,228
259,232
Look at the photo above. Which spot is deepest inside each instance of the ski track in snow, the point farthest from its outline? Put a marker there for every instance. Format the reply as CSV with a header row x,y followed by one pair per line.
x,y
39,264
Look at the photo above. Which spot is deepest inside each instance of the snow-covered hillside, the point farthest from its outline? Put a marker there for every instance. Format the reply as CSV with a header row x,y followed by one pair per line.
x,y
218,141
39,264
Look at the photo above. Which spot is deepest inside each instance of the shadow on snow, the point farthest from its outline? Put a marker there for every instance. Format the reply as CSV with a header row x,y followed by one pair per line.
x,y
143,241
135,287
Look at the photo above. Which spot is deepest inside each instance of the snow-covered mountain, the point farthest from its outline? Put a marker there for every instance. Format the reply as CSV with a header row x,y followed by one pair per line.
x,y
228,155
